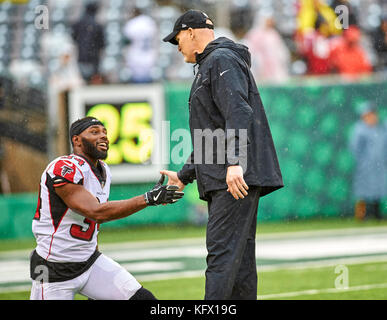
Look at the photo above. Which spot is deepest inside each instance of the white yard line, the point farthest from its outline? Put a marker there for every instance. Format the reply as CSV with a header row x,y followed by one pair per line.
x,y
201,241
200,273
299,265
319,291
171,275
300,250
319,233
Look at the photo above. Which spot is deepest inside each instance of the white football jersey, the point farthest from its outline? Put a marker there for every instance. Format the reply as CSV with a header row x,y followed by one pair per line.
x,y
62,235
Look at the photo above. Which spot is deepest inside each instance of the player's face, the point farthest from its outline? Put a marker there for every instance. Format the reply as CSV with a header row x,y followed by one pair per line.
x,y
186,45
95,143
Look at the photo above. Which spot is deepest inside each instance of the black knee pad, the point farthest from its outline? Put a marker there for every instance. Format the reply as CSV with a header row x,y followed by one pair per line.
x,y
143,294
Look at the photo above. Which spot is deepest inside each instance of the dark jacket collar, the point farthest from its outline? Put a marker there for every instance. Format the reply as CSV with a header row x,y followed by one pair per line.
x,y
224,42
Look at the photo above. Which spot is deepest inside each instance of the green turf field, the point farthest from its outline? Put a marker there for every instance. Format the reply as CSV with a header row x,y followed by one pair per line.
x,y
364,280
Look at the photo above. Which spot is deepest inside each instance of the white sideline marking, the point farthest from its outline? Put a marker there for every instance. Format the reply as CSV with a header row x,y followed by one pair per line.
x,y
171,275
299,265
318,291
137,245
323,232
288,250
152,265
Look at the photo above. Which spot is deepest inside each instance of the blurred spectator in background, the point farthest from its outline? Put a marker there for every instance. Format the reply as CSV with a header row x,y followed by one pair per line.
x,y
67,76
141,57
348,57
269,53
380,44
369,147
309,11
241,17
315,46
89,37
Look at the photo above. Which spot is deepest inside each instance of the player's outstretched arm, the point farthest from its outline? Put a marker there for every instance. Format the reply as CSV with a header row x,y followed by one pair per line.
x,y
83,202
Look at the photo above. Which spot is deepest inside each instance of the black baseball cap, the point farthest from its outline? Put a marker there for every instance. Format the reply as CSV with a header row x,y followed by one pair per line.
x,y
194,19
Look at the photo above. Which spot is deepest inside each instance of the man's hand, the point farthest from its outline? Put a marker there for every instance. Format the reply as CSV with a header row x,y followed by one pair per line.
x,y
235,182
162,194
173,179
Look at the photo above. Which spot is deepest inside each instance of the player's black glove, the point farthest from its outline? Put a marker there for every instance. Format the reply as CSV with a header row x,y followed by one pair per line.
x,y
162,194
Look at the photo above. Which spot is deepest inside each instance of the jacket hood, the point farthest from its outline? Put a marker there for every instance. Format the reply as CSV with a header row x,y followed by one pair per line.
x,y
224,42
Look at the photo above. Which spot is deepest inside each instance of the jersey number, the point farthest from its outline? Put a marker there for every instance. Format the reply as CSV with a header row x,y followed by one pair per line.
x,y
77,232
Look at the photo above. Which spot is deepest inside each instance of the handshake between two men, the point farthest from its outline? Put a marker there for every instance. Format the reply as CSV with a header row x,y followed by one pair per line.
x,y
163,194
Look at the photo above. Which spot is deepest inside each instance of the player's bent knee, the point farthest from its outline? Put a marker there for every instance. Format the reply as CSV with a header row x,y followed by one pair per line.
x,y
143,294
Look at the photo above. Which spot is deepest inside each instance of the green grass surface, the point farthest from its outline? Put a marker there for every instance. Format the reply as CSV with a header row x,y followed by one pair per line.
x,y
365,280
323,279
292,282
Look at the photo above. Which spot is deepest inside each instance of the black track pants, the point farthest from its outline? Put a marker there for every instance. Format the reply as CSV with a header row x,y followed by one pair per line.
x,y
231,266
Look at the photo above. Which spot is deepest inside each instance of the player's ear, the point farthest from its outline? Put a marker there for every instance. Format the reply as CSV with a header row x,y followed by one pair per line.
x,y
76,140
191,33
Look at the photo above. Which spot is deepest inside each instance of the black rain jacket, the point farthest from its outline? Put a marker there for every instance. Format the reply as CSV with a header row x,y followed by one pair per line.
x,y
224,96
89,37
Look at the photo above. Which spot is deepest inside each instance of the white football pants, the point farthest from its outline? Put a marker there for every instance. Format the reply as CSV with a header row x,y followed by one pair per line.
x,y
104,280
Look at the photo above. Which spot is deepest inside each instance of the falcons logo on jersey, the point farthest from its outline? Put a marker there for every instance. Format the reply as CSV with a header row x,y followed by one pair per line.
x,y
66,170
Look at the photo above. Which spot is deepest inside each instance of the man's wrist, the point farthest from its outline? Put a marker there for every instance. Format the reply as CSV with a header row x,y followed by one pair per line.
x,y
182,179
147,198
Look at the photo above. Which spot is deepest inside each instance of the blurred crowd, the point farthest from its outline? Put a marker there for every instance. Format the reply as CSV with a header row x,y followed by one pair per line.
x,y
115,41
327,39
333,45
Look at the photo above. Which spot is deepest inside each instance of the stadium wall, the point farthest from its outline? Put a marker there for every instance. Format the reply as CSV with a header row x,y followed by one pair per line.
x,y
311,124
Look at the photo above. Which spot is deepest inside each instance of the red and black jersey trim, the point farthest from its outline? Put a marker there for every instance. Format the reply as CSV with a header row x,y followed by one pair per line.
x,y
60,181
39,206
57,207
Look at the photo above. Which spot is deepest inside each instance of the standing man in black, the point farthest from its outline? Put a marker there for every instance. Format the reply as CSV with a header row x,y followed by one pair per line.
x,y
243,166
89,38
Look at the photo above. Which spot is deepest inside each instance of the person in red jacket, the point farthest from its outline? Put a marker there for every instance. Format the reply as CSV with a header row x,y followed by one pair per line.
x,y
315,46
348,58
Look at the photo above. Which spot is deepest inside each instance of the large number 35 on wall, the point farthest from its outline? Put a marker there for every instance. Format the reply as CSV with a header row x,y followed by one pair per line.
x,y
129,130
